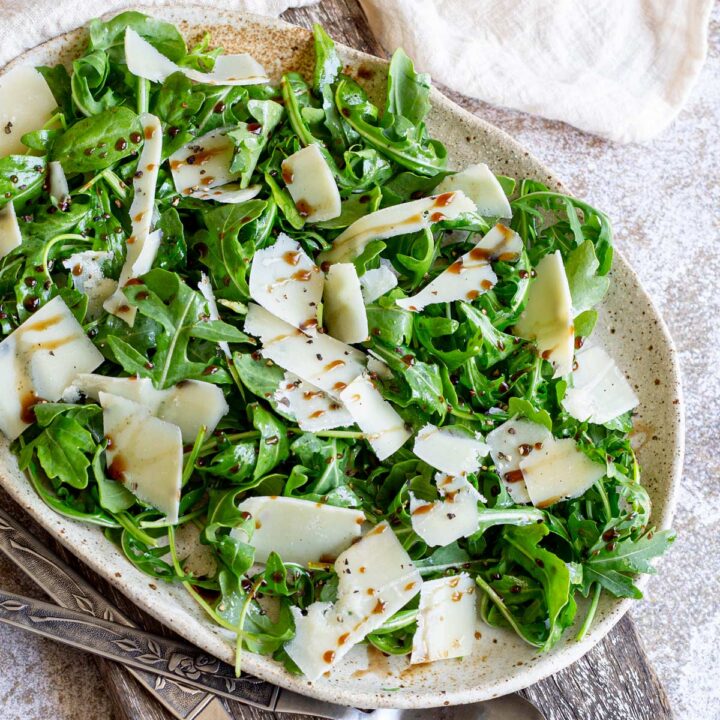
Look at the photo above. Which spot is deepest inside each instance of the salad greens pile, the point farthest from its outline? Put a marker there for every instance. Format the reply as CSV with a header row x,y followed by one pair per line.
x,y
453,363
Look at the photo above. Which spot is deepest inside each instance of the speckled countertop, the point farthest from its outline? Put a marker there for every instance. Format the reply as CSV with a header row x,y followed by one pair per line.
x,y
664,198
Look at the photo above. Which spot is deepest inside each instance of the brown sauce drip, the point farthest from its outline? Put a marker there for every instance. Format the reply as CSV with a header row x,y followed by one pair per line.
x,y
302,275
291,257
423,509
513,476
287,174
456,268
334,364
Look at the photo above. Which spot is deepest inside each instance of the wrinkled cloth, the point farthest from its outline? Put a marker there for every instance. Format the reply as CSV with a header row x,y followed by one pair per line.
x,y
27,23
622,69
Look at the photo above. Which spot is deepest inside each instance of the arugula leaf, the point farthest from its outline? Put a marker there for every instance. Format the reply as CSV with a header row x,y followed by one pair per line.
x,y
408,92
250,138
274,447
164,36
632,555
88,84
587,288
524,408
98,142
113,496
62,450
21,177
548,569
227,260
182,314
402,142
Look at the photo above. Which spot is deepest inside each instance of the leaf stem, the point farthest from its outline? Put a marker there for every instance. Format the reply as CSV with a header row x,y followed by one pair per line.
x,y
241,625
591,612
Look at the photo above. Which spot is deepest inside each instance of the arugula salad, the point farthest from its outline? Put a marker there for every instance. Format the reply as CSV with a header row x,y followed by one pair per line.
x,y
287,356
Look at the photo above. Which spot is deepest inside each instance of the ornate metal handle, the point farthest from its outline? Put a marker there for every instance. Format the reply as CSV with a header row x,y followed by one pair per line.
x,y
72,591
159,655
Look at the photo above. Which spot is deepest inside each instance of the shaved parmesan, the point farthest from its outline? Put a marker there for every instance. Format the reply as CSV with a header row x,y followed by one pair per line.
x,y
322,361
450,449
446,621
470,275
375,283
26,104
146,62
598,390
142,246
482,187
401,219
509,444
144,453
10,236
557,471
206,291
313,408
452,517
343,308
87,276
138,261
376,579
190,404
384,429
300,531
311,184
38,361
547,318
204,163
287,283
230,194
58,182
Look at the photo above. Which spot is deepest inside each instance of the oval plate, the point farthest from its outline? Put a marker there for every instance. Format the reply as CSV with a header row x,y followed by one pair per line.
x,y
629,327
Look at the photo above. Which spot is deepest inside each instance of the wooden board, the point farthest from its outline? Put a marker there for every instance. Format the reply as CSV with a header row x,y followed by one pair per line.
x,y
612,682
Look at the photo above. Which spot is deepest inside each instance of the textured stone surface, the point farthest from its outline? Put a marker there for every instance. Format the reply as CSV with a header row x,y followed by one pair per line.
x,y
664,199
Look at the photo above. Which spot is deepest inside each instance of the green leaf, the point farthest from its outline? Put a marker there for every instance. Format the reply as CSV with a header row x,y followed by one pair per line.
x,y
613,581
114,497
227,260
250,140
182,313
585,323
164,36
524,408
548,569
274,447
21,177
58,81
88,84
408,92
402,142
235,463
633,555
98,142
587,288
172,254
62,451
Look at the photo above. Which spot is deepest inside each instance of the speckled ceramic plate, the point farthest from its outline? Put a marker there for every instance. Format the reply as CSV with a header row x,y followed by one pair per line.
x,y
630,328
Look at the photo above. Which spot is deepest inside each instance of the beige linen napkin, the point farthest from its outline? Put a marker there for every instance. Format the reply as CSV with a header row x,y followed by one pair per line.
x,y
26,23
618,68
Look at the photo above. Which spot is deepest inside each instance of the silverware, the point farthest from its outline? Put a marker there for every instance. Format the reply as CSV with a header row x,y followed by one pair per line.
x,y
88,621
69,589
